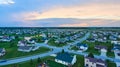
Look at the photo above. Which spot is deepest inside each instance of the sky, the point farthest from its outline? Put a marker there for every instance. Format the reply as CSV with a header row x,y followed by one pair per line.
x,y
59,13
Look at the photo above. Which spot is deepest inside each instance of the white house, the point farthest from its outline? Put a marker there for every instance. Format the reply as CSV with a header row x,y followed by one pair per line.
x,y
65,59
116,48
93,62
2,51
101,48
27,48
115,42
82,47
27,38
22,43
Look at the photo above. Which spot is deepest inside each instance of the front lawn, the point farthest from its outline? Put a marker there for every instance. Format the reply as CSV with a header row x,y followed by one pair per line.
x,y
91,48
111,64
74,48
110,54
80,61
52,43
12,50
28,63
14,53
109,46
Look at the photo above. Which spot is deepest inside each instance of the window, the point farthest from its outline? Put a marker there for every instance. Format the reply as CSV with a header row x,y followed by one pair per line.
x,y
87,65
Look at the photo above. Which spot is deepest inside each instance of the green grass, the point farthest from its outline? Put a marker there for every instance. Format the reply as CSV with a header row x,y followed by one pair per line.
x,y
74,48
52,43
27,63
13,53
111,64
91,48
39,39
12,50
94,51
109,46
110,54
80,61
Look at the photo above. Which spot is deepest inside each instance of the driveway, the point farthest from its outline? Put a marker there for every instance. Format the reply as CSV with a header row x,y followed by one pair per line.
x,y
116,55
103,54
118,64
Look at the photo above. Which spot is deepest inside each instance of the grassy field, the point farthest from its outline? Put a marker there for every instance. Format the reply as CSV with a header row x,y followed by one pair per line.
x,y
12,52
109,46
80,61
91,48
28,64
52,43
111,64
94,51
74,48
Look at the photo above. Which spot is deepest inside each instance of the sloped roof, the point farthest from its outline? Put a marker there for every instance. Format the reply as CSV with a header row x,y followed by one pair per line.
x,y
65,57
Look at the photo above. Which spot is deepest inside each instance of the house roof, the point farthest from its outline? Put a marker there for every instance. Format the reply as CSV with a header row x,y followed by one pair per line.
x,y
65,57
25,47
100,65
79,44
1,50
94,60
100,47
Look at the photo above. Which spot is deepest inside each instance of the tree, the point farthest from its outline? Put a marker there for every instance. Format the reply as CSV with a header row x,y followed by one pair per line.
x,y
39,60
14,65
63,51
91,55
31,62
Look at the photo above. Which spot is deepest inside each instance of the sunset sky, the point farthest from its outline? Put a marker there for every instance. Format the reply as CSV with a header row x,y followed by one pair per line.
x,y
59,13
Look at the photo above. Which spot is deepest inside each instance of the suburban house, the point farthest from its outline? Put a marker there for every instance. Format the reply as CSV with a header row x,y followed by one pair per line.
x,y
116,48
90,40
102,39
112,38
100,47
5,39
82,46
115,42
30,40
27,48
65,58
93,62
60,41
27,38
22,43
2,51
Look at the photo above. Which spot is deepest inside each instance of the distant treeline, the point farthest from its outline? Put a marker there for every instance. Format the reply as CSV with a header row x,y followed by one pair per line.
x,y
60,28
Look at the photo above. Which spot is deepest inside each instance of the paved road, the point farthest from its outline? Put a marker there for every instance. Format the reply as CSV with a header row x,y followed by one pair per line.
x,y
29,57
57,50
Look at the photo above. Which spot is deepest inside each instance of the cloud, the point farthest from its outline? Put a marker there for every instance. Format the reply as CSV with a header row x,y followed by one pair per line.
x,y
95,13
6,2
89,11
92,23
